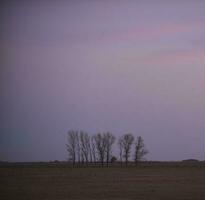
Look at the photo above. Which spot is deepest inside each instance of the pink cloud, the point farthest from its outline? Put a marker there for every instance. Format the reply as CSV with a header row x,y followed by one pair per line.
x,y
175,57
148,33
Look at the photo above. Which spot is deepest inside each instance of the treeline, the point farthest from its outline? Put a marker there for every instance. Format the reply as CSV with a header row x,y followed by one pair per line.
x,y
84,148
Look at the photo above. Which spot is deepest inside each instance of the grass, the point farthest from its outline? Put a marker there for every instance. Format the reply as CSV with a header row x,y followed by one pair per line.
x,y
63,182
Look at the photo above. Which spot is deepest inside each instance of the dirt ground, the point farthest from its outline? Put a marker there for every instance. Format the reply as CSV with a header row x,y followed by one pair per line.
x,y
63,182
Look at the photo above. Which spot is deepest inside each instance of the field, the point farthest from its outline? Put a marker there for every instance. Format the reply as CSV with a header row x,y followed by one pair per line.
x,y
61,182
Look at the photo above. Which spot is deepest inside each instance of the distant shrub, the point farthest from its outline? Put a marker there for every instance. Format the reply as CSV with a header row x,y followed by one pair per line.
x,y
113,159
190,160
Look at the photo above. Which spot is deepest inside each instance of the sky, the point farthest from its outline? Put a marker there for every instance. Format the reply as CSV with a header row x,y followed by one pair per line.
x,y
120,66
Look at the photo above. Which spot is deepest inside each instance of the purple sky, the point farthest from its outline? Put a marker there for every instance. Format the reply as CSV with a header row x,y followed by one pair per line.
x,y
118,66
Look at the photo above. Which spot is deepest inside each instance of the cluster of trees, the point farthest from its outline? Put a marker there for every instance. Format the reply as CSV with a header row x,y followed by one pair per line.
x,y
84,148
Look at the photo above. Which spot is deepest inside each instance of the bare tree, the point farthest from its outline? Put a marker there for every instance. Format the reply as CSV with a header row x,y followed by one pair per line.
x,y
100,147
120,144
140,150
78,148
93,148
127,141
109,141
72,145
85,146
90,149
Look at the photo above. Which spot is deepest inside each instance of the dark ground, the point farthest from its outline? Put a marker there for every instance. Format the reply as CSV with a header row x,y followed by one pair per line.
x,y
56,181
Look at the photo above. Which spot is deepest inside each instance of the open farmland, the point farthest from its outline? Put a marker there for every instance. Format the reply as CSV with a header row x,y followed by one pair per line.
x,y
64,182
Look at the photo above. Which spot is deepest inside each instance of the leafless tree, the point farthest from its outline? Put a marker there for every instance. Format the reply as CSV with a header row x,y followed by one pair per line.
x,y
109,141
140,150
93,148
85,145
127,141
78,148
90,149
72,145
120,144
100,144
